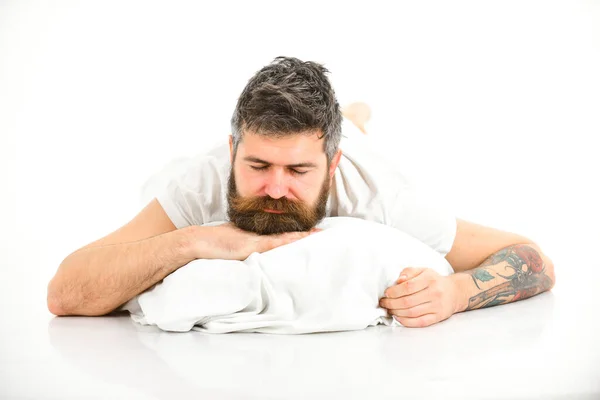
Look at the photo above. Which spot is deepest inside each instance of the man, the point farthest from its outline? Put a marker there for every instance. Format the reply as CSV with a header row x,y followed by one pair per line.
x,y
282,172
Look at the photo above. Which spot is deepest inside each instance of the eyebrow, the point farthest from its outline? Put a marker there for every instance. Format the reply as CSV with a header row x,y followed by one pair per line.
x,y
299,165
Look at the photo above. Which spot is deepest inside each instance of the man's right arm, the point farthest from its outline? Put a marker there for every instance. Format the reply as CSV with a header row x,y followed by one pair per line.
x,y
101,276
97,280
107,273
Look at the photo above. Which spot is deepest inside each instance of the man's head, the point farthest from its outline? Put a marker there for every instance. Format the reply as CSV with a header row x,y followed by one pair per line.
x,y
286,131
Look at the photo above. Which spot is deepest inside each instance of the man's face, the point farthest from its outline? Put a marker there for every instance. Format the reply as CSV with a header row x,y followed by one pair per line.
x,y
279,185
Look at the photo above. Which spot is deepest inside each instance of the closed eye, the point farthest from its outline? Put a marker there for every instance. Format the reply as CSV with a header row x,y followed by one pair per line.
x,y
296,172
292,170
259,168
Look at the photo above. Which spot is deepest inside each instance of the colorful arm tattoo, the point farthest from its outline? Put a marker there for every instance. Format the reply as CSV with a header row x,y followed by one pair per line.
x,y
528,278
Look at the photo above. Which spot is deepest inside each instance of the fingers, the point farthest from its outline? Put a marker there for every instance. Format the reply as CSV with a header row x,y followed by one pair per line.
x,y
413,312
410,273
406,302
418,322
407,288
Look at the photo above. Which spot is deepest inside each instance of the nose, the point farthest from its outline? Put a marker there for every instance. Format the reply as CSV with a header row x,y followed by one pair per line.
x,y
276,186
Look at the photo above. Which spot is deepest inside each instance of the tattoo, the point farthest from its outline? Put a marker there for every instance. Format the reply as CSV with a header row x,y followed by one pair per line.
x,y
527,280
480,274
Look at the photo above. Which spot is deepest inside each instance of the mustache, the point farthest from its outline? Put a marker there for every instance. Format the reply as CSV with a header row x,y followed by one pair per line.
x,y
260,203
248,212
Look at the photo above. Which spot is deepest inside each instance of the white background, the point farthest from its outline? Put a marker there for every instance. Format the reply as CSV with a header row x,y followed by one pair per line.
x,y
493,105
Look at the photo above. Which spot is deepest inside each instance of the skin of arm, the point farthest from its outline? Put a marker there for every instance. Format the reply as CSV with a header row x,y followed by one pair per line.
x,y
95,281
492,267
514,273
514,267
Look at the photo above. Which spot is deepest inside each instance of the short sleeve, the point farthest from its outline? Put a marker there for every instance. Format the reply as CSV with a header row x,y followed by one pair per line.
x,y
178,199
424,216
195,195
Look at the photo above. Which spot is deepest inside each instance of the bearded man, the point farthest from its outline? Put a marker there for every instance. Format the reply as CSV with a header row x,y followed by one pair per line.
x,y
286,167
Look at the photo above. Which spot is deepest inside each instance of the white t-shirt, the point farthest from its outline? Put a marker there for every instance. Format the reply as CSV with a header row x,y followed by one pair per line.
x,y
365,185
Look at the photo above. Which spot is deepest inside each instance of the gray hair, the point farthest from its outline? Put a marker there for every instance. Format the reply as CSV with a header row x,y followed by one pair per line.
x,y
286,97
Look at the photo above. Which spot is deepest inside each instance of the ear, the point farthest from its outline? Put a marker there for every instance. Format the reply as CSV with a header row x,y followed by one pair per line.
x,y
334,163
231,149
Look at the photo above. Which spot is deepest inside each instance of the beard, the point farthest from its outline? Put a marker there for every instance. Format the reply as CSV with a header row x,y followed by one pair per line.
x,y
248,213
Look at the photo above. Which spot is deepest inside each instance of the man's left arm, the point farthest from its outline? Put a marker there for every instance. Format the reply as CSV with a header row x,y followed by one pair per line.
x,y
514,273
492,267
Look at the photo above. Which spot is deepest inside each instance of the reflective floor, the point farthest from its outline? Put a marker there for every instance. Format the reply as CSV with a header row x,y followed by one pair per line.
x,y
544,347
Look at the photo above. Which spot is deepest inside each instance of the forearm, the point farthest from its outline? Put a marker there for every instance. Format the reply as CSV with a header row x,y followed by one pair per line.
x,y
514,273
97,280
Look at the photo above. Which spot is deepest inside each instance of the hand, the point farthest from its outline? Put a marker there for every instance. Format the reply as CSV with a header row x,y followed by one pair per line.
x,y
421,297
228,242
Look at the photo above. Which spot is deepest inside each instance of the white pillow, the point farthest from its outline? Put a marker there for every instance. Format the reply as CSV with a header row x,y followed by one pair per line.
x,y
329,281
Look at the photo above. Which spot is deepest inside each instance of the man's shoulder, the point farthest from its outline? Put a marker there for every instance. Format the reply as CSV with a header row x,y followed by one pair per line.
x,y
203,171
192,189
213,164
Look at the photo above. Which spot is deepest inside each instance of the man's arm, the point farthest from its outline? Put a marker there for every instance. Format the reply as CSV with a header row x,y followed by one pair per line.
x,y
105,274
101,276
474,243
514,273
492,267
96,280
514,267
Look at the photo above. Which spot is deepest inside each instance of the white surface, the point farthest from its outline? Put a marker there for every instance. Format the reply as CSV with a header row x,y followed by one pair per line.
x,y
495,104
545,347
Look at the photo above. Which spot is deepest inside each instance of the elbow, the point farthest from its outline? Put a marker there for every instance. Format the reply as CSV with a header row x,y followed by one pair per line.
x,y
54,301
58,305
548,271
66,297
55,307
57,300
548,276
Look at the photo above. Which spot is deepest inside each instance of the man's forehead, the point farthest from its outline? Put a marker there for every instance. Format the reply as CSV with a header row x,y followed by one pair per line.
x,y
294,148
